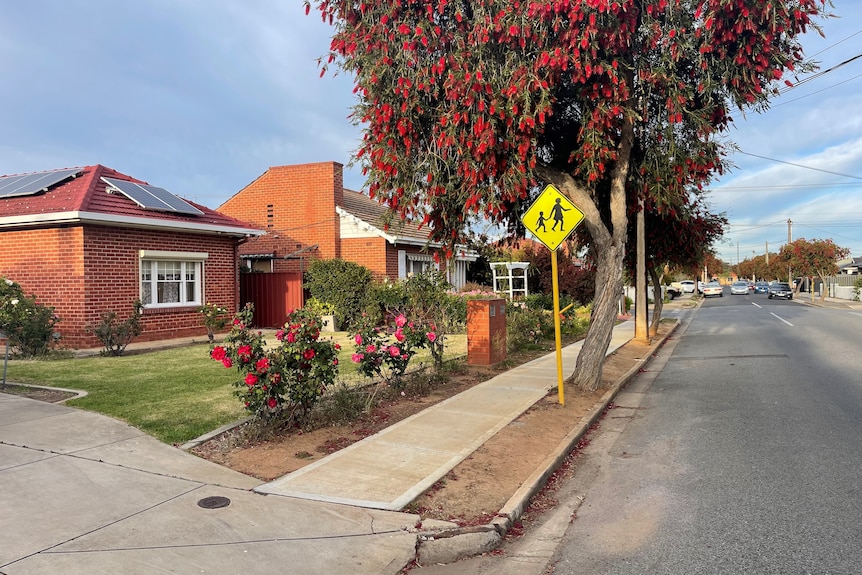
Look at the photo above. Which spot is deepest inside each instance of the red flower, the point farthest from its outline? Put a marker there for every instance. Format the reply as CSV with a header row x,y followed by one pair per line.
x,y
399,334
308,353
432,337
262,365
250,379
244,352
271,402
370,348
227,362
290,337
401,321
218,353
279,335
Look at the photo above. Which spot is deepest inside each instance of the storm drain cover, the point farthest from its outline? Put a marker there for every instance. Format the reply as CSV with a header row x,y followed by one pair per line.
x,y
215,502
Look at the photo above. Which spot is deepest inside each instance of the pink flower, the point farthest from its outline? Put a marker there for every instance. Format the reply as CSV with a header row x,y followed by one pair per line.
x,y
250,379
394,351
404,356
335,361
271,402
370,348
308,353
432,337
227,362
218,353
357,357
358,339
399,334
279,335
290,337
401,321
262,365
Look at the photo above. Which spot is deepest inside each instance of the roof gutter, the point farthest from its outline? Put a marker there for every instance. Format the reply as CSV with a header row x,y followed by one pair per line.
x,y
76,217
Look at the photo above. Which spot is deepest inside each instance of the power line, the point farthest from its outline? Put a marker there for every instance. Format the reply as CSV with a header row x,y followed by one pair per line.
x,y
801,166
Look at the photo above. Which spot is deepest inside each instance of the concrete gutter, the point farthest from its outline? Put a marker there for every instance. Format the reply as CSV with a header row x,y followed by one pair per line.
x,y
451,543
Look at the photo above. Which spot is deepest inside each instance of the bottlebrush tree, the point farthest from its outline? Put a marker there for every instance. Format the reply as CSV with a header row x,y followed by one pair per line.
x,y
813,258
469,106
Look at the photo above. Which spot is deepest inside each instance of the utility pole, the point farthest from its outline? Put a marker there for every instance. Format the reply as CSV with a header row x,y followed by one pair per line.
x,y
767,253
789,241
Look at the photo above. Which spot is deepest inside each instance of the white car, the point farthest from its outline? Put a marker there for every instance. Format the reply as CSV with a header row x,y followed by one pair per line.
x,y
739,288
713,288
687,286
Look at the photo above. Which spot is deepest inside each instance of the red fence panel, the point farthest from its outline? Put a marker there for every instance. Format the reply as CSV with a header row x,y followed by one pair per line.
x,y
273,295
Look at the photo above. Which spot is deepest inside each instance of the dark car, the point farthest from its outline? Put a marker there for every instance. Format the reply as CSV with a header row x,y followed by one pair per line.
x,y
761,287
780,290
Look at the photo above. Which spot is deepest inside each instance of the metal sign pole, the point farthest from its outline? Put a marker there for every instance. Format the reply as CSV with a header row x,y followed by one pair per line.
x,y
556,287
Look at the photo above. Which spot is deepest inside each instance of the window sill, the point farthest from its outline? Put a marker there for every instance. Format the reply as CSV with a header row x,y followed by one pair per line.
x,y
170,309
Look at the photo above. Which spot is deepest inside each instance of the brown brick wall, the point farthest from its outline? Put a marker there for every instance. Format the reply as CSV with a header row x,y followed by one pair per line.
x,y
83,272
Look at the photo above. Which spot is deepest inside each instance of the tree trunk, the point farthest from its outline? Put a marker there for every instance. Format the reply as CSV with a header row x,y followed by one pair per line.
x,y
608,244
658,298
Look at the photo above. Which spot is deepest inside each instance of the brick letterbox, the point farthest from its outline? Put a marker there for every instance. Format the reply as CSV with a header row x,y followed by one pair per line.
x,y
486,331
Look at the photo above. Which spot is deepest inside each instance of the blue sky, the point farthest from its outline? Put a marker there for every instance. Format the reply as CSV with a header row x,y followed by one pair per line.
x,y
202,96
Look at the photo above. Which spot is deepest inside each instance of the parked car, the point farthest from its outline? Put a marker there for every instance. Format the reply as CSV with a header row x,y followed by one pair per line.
x,y
761,287
687,286
780,290
713,288
739,288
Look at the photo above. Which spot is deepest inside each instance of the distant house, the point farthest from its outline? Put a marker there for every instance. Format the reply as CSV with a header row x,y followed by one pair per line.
x,y
91,240
851,266
307,213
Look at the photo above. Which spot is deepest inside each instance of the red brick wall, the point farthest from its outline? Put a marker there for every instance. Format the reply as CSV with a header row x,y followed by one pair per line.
x,y
303,199
371,253
83,272
486,331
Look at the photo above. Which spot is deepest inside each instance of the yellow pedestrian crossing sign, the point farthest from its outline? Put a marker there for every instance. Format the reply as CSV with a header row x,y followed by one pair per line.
x,y
552,217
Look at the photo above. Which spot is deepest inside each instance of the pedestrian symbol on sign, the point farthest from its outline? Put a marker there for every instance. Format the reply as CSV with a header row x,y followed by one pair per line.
x,y
559,209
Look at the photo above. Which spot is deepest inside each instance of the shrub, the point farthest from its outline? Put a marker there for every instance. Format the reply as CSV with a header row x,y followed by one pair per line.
x,y
115,334
28,325
526,326
214,318
386,353
342,284
286,380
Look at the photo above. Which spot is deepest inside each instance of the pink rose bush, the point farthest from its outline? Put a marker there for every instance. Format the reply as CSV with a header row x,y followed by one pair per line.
x,y
380,357
288,378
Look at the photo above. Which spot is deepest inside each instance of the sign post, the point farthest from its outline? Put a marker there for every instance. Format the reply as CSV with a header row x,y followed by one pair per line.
x,y
552,218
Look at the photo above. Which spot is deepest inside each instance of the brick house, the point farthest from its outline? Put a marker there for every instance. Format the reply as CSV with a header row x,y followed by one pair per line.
x,y
307,213
89,240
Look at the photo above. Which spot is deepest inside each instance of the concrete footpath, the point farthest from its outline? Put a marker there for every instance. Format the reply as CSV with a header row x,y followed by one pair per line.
x,y
83,493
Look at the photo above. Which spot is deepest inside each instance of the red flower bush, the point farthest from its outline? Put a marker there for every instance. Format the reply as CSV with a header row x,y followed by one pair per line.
x,y
288,378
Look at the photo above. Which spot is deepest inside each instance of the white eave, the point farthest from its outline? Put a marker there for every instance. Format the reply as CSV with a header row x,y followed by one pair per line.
x,y
61,218
460,253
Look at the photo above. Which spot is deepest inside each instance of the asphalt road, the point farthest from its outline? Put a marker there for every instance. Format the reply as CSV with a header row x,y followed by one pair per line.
x,y
743,457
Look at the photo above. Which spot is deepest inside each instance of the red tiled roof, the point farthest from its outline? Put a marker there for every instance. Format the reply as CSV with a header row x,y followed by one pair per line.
x,y
87,193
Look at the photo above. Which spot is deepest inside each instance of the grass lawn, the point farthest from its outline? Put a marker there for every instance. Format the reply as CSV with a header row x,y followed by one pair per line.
x,y
174,395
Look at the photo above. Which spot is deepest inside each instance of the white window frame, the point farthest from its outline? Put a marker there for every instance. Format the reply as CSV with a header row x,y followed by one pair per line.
x,y
190,268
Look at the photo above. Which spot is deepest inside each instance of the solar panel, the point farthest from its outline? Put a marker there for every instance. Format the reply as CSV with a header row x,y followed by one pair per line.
x,y
31,184
152,197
